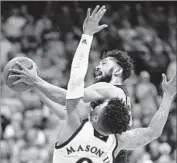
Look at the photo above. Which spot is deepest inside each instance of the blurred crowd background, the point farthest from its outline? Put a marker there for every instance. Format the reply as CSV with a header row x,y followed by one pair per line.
x,y
48,33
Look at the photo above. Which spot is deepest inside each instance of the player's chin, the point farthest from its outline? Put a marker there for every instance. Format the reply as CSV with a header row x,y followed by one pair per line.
x,y
98,78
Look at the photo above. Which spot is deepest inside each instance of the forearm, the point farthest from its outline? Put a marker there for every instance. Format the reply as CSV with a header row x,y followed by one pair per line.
x,y
98,91
79,68
54,93
75,89
142,136
57,109
159,119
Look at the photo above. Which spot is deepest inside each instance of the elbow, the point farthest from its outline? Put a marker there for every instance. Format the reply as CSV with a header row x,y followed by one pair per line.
x,y
63,103
58,100
154,133
157,135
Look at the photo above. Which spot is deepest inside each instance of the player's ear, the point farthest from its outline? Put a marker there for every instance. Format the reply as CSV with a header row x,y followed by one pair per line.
x,y
95,118
118,71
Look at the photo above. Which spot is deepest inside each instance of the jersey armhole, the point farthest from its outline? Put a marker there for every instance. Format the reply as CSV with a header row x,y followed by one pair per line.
x,y
72,137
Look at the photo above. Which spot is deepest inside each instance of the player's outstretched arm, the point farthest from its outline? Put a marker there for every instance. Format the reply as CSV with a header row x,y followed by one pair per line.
x,y
75,89
57,109
141,136
54,93
98,91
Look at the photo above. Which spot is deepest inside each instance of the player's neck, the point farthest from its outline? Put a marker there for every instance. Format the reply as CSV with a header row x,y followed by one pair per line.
x,y
99,131
116,81
102,133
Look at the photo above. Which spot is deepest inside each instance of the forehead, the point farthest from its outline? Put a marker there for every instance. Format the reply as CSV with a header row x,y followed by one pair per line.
x,y
108,59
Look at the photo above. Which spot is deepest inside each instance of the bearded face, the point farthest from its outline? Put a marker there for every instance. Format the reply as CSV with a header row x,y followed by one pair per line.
x,y
102,76
105,70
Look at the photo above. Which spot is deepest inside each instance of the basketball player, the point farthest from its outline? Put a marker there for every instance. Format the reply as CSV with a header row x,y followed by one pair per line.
x,y
79,141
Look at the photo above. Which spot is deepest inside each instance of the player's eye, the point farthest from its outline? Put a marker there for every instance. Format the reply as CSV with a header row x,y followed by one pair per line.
x,y
103,63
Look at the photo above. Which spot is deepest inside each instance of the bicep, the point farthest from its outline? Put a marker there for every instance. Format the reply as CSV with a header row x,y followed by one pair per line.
x,y
136,138
91,94
102,91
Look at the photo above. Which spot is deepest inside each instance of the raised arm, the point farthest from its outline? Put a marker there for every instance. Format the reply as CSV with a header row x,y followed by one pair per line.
x,y
141,136
75,89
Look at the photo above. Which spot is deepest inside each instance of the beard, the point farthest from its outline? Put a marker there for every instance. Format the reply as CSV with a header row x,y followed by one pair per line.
x,y
106,78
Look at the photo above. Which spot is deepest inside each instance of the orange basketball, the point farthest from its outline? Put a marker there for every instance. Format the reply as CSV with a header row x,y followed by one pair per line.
x,y
20,87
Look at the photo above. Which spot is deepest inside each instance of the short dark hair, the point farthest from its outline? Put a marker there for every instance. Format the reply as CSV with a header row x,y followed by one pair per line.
x,y
123,59
116,116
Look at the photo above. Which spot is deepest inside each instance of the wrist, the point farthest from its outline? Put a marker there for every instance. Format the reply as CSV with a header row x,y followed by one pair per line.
x,y
37,80
88,33
88,39
168,96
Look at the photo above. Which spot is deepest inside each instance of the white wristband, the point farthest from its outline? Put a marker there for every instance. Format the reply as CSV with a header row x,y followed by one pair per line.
x,y
86,39
79,68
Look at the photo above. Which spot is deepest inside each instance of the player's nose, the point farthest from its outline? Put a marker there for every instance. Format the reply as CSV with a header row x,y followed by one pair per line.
x,y
98,68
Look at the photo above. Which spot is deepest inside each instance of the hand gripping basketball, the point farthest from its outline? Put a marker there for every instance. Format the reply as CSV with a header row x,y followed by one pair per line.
x,y
27,76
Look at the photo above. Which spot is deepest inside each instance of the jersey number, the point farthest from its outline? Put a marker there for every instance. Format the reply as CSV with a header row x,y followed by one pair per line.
x,y
84,160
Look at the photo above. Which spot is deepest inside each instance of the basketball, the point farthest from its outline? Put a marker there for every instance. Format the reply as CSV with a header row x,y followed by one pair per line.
x,y
20,87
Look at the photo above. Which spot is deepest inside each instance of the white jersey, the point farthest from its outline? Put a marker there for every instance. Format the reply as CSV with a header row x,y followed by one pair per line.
x,y
86,146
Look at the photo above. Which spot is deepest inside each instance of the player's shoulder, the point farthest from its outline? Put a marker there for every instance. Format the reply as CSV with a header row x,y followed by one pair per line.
x,y
122,141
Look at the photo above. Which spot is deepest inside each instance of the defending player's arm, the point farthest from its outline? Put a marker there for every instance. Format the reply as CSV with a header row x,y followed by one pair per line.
x,y
75,89
142,136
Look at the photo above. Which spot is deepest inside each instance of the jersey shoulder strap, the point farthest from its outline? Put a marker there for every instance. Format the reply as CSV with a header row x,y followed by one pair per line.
x,y
123,87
